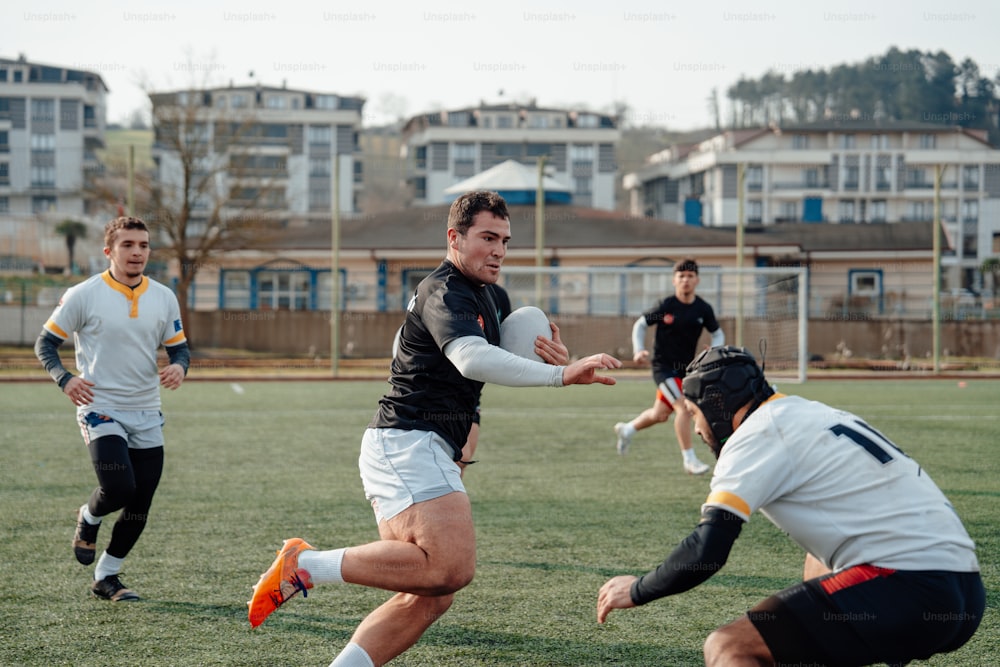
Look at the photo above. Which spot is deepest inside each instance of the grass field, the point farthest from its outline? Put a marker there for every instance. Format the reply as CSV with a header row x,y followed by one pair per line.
x,y
557,513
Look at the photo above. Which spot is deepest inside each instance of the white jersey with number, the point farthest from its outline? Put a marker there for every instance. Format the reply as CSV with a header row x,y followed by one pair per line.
x,y
117,331
840,489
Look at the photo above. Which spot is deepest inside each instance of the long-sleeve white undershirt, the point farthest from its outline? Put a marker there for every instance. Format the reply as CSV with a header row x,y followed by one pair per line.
x,y
477,360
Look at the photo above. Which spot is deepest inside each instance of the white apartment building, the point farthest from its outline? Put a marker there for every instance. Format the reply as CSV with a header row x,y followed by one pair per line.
x,y
274,150
841,172
444,148
51,123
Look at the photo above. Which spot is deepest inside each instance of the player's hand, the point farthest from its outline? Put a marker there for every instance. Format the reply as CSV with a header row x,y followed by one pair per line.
x,y
584,371
552,351
616,593
172,376
79,391
641,357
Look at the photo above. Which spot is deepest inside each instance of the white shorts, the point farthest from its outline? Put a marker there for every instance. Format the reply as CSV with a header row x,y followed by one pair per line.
x,y
400,468
141,429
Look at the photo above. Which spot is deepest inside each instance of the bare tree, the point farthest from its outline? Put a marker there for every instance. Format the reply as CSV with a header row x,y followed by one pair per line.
x,y
214,188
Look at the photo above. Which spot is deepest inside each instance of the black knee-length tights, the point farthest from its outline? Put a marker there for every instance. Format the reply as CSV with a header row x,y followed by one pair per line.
x,y
126,480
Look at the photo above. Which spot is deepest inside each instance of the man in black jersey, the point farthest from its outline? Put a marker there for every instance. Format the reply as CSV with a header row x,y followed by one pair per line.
x,y
679,320
412,449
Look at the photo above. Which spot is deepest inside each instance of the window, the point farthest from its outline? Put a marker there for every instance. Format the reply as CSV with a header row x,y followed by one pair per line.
x,y
5,204
918,211
582,186
4,141
505,121
800,142
43,177
320,134
970,210
847,141
237,101
878,210
465,151
4,173
43,142
319,167
880,141
811,178
220,102
787,211
538,122
42,204
970,177
927,141
588,120
883,178
754,178
581,152
851,176
755,211
276,102
846,211
327,101
43,110
864,282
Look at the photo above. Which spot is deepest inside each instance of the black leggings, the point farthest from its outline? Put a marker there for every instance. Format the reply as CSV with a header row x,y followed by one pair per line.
x,y
127,479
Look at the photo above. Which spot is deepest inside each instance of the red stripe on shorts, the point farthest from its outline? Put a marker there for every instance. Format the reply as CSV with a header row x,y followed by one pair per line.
x,y
853,576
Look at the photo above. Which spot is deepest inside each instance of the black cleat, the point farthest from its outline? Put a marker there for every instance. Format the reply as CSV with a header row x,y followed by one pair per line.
x,y
111,588
84,539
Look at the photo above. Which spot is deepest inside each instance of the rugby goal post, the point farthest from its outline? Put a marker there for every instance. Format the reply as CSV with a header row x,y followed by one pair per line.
x,y
756,306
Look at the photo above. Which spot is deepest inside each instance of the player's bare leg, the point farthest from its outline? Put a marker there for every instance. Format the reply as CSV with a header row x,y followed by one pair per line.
x,y
657,414
682,427
427,552
737,644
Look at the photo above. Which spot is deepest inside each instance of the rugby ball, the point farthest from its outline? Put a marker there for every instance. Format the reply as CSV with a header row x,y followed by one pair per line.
x,y
519,330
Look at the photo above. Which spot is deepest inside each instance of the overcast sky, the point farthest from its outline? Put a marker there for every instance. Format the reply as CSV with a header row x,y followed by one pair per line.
x,y
663,59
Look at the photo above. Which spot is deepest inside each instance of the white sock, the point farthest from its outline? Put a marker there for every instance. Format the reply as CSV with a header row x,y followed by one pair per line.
x,y
352,656
106,565
323,566
689,455
629,430
88,517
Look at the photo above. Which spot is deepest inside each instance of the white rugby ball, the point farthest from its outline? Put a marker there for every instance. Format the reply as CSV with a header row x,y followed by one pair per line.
x,y
519,330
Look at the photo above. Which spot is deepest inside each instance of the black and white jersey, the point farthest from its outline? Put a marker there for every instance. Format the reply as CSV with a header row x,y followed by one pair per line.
x,y
428,393
678,328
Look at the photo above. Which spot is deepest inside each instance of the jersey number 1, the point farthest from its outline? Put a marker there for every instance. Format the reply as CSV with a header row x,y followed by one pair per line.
x,y
867,443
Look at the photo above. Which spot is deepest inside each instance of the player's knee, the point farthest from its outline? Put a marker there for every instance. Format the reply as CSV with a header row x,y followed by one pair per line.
x,y
454,579
718,648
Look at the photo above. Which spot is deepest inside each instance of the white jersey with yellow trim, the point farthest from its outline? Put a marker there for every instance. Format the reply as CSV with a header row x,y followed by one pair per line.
x,y
840,489
117,331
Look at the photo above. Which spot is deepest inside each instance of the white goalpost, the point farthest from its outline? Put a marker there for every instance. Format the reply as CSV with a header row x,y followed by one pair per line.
x,y
757,307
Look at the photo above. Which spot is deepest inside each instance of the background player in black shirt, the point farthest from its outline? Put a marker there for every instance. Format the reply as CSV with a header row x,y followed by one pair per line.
x,y
448,349
679,320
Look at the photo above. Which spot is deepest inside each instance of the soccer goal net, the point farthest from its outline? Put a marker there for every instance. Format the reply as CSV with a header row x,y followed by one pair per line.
x,y
757,307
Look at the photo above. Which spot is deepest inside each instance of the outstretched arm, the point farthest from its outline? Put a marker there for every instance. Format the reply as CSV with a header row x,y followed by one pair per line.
x,y
699,556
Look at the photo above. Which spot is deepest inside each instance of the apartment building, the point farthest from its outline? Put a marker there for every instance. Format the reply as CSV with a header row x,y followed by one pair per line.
x,y
444,148
840,172
52,121
267,150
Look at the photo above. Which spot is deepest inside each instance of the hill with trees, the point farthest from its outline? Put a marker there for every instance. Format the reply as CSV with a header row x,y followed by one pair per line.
x,y
899,85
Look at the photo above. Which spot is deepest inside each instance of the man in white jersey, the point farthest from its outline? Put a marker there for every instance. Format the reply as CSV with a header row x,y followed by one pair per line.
x,y
118,320
411,452
887,557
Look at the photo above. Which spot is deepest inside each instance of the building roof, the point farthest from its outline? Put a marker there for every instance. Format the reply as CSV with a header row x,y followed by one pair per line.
x,y
507,176
573,227
44,73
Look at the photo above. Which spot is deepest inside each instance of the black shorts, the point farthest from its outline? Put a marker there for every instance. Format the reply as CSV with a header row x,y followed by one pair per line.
x,y
866,615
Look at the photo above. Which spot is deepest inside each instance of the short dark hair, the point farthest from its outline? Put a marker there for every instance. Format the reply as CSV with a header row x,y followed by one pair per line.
x,y
124,222
686,264
465,208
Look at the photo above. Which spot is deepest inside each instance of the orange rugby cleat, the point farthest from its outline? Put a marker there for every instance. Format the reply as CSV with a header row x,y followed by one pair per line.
x,y
280,583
